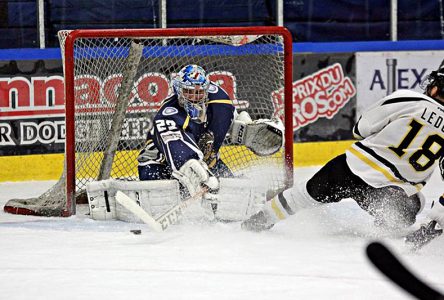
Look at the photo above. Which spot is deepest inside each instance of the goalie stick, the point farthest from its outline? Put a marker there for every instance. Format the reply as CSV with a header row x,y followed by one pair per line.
x,y
138,211
168,218
383,259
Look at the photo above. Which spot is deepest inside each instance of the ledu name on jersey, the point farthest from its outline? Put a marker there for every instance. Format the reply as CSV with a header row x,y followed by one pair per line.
x,y
434,118
320,95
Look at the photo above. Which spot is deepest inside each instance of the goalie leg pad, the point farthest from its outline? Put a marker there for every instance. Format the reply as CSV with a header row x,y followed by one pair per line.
x,y
155,197
238,199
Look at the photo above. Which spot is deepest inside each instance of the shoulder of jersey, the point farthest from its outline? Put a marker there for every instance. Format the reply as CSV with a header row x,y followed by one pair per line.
x,y
168,107
216,92
403,96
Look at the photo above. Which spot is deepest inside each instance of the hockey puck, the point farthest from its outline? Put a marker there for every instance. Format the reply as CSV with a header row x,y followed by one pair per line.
x,y
136,231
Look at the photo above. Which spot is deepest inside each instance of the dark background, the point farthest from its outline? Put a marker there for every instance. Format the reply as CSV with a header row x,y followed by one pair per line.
x,y
308,20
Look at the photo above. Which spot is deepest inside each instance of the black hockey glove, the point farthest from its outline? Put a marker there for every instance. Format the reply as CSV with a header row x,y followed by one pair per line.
x,y
205,144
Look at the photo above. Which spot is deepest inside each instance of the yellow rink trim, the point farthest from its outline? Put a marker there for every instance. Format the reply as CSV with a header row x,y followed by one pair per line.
x,y
50,166
315,154
31,167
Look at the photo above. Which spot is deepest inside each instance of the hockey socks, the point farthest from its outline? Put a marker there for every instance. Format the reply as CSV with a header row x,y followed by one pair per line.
x,y
281,207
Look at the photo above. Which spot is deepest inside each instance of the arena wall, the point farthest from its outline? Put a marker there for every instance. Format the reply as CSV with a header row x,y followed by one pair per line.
x,y
331,89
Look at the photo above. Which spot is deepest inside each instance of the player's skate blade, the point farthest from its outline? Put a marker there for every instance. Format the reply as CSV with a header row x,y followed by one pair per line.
x,y
423,235
257,222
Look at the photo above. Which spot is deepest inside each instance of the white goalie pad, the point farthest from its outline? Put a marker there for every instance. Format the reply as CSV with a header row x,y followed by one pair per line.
x,y
239,198
155,197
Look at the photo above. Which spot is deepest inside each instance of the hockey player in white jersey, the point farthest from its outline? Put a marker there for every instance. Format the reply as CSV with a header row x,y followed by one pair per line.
x,y
401,141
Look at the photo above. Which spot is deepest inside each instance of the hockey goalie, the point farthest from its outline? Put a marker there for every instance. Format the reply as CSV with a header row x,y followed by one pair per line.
x,y
181,156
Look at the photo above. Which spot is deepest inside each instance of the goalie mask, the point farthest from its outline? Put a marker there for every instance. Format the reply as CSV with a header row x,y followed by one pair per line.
x,y
434,79
191,86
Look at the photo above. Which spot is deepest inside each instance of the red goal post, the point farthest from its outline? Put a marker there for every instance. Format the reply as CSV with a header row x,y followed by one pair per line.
x,y
133,66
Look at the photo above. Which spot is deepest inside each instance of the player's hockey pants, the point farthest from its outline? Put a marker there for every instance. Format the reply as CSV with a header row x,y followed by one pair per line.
x,y
389,205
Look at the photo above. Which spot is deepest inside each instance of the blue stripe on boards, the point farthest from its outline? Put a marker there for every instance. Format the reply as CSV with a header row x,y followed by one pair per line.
x,y
54,53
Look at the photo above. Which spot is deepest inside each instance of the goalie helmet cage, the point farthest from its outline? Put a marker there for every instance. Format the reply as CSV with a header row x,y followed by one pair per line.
x,y
116,79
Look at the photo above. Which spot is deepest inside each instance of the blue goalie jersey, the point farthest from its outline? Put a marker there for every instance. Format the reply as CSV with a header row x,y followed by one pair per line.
x,y
174,137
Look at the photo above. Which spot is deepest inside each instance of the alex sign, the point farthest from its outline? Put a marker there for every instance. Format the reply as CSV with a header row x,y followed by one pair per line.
x,y
374,74
319,95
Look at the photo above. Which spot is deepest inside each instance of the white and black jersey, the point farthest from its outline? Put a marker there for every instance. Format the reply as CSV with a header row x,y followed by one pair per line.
x,y
401,141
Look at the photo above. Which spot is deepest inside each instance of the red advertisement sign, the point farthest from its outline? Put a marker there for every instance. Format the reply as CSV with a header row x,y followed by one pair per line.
x,y
32,109
319,95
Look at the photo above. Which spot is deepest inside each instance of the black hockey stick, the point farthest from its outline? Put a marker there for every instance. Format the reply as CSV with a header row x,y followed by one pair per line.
x,y
391,267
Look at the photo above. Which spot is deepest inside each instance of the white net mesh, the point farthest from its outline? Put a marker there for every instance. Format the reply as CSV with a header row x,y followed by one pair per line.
x,y
250,68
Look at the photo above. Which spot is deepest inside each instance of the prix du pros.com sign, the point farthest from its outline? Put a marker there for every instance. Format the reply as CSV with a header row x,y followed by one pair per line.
x,y
319,95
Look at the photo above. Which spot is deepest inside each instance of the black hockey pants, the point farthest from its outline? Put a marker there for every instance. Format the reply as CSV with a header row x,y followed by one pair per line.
x,y
389,205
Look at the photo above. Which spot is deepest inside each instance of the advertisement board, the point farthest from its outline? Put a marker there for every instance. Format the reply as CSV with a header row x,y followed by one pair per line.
x,y
376,72
31,107
32,100
324,97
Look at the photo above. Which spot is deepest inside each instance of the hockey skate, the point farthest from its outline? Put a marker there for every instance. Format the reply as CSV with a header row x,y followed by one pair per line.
x,y
423,235
257,222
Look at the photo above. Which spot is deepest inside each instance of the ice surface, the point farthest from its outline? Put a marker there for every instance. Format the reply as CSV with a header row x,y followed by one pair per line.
x,y
316,254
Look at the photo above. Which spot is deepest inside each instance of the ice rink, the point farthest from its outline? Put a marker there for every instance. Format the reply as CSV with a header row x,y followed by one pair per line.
x,y
316,254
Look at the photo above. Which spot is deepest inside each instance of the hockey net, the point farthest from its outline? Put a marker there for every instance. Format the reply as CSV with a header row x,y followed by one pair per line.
x,y
115,81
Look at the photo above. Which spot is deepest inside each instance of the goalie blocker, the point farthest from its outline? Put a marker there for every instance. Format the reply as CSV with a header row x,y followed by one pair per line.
x,y
238,198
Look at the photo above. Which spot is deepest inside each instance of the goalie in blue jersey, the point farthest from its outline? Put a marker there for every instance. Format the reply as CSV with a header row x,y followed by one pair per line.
x,y
183,144
190,128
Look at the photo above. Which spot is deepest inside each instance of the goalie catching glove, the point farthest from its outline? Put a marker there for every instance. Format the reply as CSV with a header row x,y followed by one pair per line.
x,y
205,144
264,137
